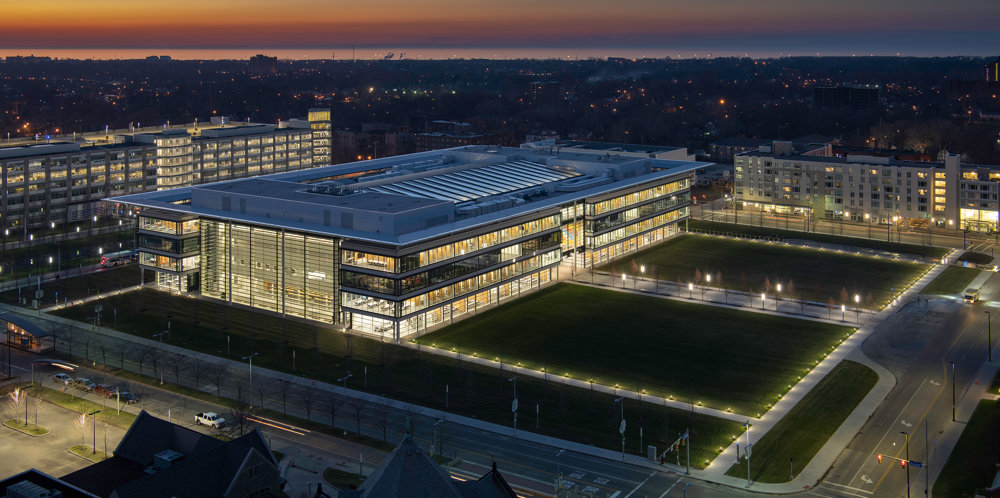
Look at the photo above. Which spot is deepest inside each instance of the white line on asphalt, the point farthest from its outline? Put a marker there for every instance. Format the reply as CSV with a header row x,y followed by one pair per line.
x,y
19,368
616,493
644,481
842,493
894,422
852,488
678,481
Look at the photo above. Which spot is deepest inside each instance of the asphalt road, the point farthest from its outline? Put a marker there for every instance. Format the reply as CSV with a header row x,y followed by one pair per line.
x,y
917,344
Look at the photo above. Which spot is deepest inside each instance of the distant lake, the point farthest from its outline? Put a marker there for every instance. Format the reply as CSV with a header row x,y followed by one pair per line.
x,y
426,53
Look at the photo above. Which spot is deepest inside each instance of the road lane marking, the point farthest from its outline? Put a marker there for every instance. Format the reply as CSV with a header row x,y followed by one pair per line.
x,y
678,481
852,488
644,481
882,439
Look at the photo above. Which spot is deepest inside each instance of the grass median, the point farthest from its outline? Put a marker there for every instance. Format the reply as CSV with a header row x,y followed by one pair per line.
x,y
952,280
794,441
401,373
68,400
972,463
748,230
803,273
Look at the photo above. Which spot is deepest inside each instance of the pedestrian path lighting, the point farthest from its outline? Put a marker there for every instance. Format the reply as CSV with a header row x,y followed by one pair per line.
x,y
857,306
690,289
762,296
623,280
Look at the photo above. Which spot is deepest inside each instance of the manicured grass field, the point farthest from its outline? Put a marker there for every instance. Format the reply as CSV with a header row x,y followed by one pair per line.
x,y
971,465
720,357
734,229
806,428
73,287
952,280
753,266
483,392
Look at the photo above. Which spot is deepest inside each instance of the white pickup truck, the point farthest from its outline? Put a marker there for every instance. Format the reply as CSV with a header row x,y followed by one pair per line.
x,y
210,419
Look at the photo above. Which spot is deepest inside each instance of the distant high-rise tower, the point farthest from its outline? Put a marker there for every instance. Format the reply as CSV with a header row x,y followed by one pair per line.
x,y
993,71
263,65
322,127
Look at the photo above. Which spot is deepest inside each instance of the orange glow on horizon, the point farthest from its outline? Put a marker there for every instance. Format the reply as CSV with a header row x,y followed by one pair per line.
x,y
291,23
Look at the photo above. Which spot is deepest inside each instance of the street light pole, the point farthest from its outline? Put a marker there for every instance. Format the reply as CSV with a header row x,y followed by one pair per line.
x,y
952,390
747,451
344,380
906,436
989,338
513,405
250,357
621,426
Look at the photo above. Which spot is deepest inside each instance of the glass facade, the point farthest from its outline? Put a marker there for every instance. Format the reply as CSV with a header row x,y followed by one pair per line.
x,y
284,272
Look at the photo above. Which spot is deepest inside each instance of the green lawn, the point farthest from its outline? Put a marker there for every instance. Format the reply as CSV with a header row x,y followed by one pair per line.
x,y
971,465
952,280
734,229
720,357
74,287
751,266
806,428
29,428
576,414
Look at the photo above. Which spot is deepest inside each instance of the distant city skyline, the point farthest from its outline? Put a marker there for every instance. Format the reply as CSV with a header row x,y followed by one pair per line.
x,y
518,28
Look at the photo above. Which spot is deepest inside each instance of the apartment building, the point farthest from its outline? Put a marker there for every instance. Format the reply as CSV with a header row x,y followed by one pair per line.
x,y
866,188
62,180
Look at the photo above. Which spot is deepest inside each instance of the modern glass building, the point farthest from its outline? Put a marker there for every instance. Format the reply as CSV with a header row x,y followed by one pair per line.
x,y
402,245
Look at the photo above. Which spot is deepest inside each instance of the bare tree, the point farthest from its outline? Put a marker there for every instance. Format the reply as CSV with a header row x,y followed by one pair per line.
x,y
334,402
177,363
308,397
140,357
154,357
217,374
123,349
357,405
284,387
381,417
198,369
38,401
240,387
240,423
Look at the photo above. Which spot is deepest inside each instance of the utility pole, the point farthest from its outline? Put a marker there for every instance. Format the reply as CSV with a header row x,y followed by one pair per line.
x,y
747,451
952,390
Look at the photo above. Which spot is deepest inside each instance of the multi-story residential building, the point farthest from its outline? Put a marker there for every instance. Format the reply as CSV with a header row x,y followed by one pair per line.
x,y
61,181
399,245
866,188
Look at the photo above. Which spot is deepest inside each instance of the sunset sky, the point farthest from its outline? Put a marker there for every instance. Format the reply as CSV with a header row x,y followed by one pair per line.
x,y
915,27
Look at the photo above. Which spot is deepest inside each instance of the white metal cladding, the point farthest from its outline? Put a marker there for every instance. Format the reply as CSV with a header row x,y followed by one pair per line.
x,y
470,184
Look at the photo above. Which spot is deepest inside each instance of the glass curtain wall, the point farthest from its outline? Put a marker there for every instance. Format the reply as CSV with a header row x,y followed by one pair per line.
x,y
269,269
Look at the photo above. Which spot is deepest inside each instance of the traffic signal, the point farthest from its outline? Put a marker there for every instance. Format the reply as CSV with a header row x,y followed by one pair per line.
x,y
878,458
902,464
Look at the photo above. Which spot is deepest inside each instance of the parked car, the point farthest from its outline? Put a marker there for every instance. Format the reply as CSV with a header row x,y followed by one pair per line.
x,y
84,384
211,419
105,389
63,379
128,398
